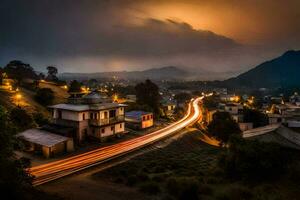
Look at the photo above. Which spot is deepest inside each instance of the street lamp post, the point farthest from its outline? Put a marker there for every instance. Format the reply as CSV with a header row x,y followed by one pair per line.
x,y
18,98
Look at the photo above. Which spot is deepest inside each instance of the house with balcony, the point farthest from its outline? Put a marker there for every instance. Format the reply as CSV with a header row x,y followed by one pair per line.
x,y
90,117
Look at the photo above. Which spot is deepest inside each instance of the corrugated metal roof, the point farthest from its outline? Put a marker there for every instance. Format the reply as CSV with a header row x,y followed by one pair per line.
x,y
42,137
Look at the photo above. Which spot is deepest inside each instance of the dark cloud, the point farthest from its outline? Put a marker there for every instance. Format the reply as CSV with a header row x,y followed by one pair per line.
x,y
111,35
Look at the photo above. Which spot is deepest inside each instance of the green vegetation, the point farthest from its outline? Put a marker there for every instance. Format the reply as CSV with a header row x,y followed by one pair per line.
x,y
52,72
223,127
254,161
15,182
21,119
40,119
44,96
211,102
147,94
19,71
190,169
182,97
75,86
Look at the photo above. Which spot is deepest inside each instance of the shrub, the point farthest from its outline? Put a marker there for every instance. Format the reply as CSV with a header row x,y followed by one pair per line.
x,y
205,189
234,193
40,119
21,119
44,96
150,188
132,180
183,188
142,177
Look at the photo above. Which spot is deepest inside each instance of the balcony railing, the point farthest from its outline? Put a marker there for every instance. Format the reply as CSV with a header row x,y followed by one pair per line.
x,y
101,122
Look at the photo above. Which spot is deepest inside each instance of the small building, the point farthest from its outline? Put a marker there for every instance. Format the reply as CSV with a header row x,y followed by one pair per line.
x,y
47,143
209,115
139,119
235,110
169,107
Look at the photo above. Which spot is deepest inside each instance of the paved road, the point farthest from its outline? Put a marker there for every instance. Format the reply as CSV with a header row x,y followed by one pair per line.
x,y
57,169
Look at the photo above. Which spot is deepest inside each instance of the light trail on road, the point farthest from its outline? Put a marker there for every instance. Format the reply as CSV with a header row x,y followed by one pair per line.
x,y
57,169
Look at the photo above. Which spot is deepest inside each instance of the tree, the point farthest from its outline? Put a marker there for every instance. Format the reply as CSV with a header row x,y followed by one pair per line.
x,y
75,86
40,119
1,75
257,118
211,101
52,72
44,96
21,119
182,97
19,71
14,179
147,93
223,127
41,76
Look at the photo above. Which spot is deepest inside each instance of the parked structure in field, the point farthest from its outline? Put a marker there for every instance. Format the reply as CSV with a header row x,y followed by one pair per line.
x,y
139,119
47,143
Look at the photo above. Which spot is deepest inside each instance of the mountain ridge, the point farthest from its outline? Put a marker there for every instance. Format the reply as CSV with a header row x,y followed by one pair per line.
x,y
282,71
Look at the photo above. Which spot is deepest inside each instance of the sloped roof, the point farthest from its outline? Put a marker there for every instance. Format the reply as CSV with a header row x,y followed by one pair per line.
x,y
42,137
136,114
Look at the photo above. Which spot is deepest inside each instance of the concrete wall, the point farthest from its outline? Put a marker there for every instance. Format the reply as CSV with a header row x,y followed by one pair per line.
x,y
71,115
46,151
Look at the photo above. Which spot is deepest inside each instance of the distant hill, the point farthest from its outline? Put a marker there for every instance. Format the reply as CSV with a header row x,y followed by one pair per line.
x,y
283,71
169,73
163,73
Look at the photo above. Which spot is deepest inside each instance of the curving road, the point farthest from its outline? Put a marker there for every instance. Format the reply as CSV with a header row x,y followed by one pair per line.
x,y
57,169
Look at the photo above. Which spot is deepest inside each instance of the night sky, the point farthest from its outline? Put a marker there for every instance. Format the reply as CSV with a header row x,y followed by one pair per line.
x,y
94,35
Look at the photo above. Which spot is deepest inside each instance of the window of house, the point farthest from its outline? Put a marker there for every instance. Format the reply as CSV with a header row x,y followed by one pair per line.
x,y
91,116
120,125
112,128
102,130
144,118
151,116
105,115
59,114
112,113
148,117
83,116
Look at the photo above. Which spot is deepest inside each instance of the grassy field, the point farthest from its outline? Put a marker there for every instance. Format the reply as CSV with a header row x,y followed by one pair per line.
x,y
28,101
187,169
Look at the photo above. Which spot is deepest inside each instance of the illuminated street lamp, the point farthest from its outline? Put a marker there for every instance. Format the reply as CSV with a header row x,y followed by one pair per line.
x,y
18,98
